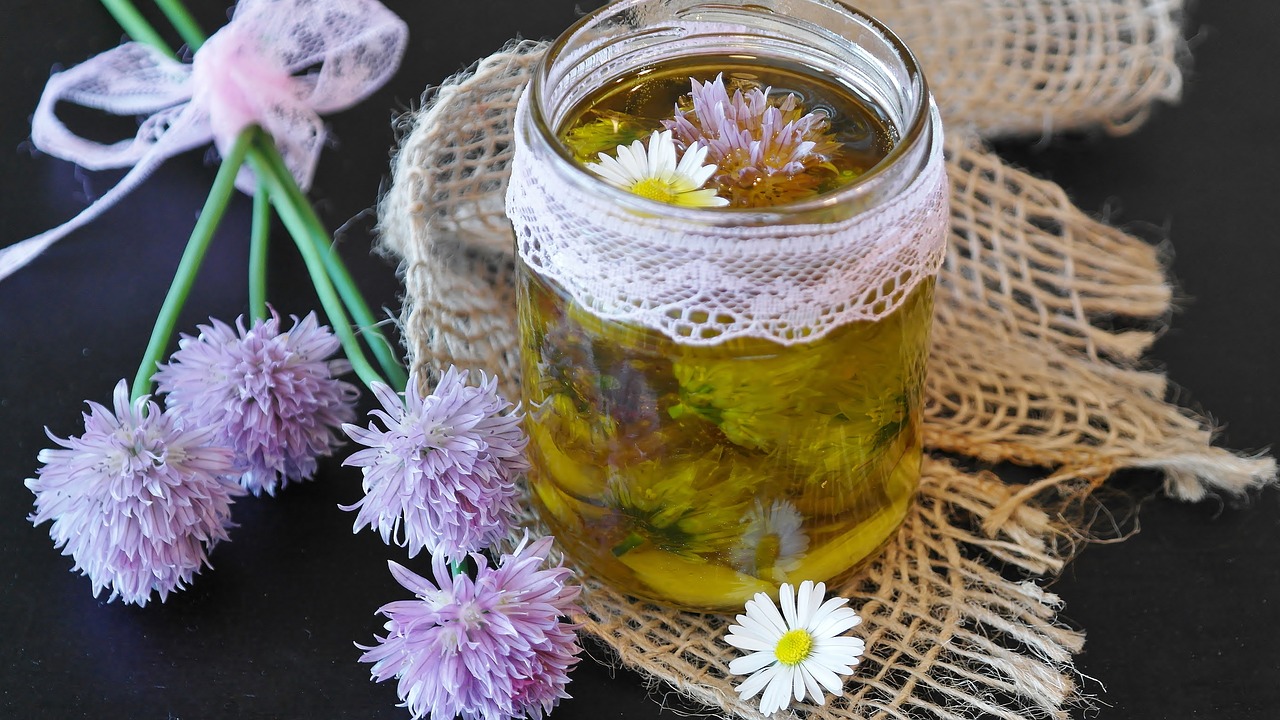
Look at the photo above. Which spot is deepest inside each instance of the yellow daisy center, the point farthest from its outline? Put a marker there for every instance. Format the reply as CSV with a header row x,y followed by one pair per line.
x,y
655,189
794,647
767,552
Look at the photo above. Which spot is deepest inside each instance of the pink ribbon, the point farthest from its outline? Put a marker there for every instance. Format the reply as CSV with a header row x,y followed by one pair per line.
x,y
279,64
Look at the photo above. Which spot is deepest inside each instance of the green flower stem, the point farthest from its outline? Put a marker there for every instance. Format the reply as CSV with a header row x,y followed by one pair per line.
x,y
137,27
629,543
265,154
134,25
259,238
182,21
295,222
215,207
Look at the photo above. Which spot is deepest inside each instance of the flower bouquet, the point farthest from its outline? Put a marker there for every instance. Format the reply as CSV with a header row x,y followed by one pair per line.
x,y
143,495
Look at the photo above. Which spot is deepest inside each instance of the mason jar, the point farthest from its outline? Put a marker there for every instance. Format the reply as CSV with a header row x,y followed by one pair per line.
x,y
724,398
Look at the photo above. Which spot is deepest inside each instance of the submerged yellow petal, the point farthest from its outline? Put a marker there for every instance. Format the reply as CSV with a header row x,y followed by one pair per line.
x,y
576,479
704,585
827,560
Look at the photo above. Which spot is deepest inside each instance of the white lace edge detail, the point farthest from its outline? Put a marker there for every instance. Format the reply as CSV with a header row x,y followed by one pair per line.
x,y
787,283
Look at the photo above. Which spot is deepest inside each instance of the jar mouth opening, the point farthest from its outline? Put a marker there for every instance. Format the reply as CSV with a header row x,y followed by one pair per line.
x,y
917,129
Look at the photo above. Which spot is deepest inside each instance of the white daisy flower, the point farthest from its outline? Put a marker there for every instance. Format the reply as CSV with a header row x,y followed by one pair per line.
x,y
799,651
773,543
654,173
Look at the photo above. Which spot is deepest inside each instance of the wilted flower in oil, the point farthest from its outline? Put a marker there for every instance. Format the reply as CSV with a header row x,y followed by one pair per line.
x,y
441,475
685,507
760,145
654,174
799,652
754,404
272,395
137,501
495,647
773,542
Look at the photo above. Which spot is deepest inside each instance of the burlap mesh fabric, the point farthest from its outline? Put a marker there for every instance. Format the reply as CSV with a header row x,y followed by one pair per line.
x,y
1033,66
1042,317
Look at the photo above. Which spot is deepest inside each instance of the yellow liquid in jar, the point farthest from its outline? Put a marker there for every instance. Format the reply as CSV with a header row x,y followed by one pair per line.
x,y
697,476
700,475
856,134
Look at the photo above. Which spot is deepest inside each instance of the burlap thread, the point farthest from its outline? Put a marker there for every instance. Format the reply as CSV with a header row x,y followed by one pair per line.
x,y
1043,314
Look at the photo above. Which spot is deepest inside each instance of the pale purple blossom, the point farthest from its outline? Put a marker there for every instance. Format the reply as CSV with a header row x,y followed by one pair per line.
x,y
272,395
495,647
749,136
441,475
137,501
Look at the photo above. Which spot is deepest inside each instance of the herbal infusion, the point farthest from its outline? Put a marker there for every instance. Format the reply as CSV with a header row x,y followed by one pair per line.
x,y
700,474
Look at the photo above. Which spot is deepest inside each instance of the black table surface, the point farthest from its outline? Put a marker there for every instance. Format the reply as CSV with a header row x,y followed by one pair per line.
x,y
1183,619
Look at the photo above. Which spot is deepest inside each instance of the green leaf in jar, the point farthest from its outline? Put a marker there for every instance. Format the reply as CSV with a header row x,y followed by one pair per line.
x,y
604,132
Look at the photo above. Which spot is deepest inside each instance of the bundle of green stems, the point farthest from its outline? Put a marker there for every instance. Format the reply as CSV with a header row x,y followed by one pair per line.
x,y
276,188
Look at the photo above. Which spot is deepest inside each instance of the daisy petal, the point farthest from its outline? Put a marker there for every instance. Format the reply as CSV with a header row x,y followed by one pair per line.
x,y
836,622
611,170
816,594
753,626
701,198
803,612
662,155
797,682
814,689
827,678
750,642
843,644
748,664
766,612
757,682
819,664
777,695
700,176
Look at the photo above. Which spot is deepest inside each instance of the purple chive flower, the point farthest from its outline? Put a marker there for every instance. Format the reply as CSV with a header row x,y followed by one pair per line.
x,y
749,137
443,469
271,394
137,501
494,647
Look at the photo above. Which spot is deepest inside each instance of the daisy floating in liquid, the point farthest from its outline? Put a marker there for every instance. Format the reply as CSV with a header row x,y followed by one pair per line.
x,y
655,174
773,543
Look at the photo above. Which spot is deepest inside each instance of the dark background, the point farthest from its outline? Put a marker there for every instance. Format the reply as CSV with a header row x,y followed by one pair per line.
x,y
1183,619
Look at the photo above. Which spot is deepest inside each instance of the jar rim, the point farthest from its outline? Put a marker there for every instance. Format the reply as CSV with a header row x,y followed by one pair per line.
x,y
919,129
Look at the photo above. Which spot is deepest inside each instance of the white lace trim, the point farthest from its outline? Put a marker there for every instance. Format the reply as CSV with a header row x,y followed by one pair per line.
x,y
701,285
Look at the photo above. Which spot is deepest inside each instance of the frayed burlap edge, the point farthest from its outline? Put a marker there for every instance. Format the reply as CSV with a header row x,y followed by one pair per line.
x,y
1029,365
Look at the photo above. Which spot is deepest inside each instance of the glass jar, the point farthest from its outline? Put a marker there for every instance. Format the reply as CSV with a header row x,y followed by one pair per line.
x,y
720,400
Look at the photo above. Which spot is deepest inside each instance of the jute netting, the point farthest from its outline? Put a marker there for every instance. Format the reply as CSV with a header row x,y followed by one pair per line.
x,y
1034,360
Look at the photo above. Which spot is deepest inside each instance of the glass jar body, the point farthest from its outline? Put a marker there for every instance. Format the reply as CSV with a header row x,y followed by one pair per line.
x,y
704,427
700,475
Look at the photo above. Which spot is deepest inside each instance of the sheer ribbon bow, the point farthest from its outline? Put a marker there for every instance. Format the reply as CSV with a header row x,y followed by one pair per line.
x,y
279,64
